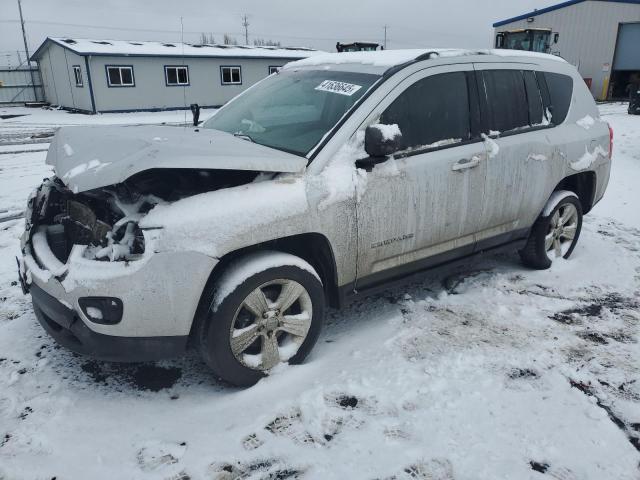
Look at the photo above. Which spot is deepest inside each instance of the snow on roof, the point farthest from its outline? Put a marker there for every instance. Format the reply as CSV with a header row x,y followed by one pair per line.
x,y
392,58
85,46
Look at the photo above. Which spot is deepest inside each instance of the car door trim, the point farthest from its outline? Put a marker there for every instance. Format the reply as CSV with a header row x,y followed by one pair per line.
x,y
415,271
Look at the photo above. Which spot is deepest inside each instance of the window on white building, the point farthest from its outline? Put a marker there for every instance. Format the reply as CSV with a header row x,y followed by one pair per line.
x,y
231,75
176,75
120,76
77,73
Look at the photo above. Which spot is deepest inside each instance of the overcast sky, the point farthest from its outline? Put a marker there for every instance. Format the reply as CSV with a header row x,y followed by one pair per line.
x,y
312,23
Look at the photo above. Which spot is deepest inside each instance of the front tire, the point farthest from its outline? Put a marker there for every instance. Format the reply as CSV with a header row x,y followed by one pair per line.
x,y
267,308
554,235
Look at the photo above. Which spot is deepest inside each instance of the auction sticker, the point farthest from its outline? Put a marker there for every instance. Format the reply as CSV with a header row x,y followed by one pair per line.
x,y
341,88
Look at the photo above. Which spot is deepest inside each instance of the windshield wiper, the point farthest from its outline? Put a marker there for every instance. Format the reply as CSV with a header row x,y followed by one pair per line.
x,y
244,136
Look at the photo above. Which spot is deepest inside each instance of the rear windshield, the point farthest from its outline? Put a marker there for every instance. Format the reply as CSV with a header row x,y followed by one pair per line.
x,y
292,110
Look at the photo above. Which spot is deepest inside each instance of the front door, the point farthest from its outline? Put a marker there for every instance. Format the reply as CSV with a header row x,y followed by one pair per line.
x,y
423,205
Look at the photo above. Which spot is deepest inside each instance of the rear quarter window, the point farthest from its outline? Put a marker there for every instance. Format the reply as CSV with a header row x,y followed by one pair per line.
x,y
560,93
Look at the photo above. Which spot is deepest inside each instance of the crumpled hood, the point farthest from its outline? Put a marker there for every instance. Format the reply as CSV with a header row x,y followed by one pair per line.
x,y
86,158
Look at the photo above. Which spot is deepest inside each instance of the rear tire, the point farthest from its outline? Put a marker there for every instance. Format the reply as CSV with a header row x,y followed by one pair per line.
x,y
555,235
265,318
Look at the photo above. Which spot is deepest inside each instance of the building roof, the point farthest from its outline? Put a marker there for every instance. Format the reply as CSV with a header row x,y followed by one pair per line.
x,y
131,48
382,60
552,8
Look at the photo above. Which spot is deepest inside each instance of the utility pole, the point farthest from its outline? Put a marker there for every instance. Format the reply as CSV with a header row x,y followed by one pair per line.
x,y
385,37
245,24
26,49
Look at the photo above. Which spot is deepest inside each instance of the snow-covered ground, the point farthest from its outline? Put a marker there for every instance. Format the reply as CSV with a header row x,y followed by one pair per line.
x,y
488,372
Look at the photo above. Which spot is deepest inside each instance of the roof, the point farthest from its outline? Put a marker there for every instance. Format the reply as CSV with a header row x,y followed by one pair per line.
x,y
131,48
381,60
552,8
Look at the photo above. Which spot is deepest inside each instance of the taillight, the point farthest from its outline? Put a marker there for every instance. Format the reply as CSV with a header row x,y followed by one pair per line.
x,y
610,142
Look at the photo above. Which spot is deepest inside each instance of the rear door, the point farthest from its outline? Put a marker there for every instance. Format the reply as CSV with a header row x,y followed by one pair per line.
x,y
424,205
519,153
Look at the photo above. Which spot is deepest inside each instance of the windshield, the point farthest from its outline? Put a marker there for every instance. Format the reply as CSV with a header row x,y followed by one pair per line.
x,y
292,111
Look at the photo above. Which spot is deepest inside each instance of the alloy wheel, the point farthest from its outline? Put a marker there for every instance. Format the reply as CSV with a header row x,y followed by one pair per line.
x,y
562,230
271,324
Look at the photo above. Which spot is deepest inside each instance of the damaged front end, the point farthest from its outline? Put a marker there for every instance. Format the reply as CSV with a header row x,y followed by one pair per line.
x,y
102,224
103,283
104,221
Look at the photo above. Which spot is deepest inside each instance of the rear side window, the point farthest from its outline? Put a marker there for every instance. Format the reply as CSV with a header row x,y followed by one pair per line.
x,y
507,100
560,93
433,112
534,99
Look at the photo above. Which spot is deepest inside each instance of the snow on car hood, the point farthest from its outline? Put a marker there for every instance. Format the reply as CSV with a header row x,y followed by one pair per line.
x,y
86,158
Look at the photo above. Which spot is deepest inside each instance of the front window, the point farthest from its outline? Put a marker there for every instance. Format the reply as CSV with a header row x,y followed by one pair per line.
x,y
433,112
292,111
541,41
518,41
176,75
528,40
120,76
231,75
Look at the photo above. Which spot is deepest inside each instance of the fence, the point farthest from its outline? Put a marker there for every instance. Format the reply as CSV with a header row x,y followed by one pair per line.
x,y
17,85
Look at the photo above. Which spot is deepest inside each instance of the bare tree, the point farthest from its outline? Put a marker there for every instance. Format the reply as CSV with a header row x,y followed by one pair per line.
x,y
207,38
261,42
229,40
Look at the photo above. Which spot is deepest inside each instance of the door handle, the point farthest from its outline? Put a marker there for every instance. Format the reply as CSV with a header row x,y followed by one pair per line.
x,y
466,163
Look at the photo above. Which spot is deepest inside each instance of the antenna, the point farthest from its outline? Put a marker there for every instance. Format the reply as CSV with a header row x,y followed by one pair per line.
x,y
184,89
385,36
26,49
245,24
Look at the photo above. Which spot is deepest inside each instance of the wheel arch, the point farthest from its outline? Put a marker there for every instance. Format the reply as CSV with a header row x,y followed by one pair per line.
x,y
312,247
583,184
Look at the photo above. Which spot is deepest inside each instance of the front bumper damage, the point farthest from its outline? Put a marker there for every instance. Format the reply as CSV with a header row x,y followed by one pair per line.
x,y
70,331
157,292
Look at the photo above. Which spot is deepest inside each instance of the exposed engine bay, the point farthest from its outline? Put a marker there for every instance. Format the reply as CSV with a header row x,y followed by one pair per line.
x,y
105,220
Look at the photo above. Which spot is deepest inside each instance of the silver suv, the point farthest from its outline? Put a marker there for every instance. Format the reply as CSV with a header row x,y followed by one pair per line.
x,y
328,180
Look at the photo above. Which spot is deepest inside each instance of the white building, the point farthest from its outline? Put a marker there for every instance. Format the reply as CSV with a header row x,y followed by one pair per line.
x,y
121,76
600,37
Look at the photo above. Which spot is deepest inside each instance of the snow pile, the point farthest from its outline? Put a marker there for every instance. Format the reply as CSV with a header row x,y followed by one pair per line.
x,y
252,264
44,253
67,150
382,58
94,166
389,132
214,220
588,159
586,122
538,157
86,46
341,180
492,147
556,198
118,249
390,58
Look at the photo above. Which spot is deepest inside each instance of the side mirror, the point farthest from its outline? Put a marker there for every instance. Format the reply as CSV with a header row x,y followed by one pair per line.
x,y
382,140
556,37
